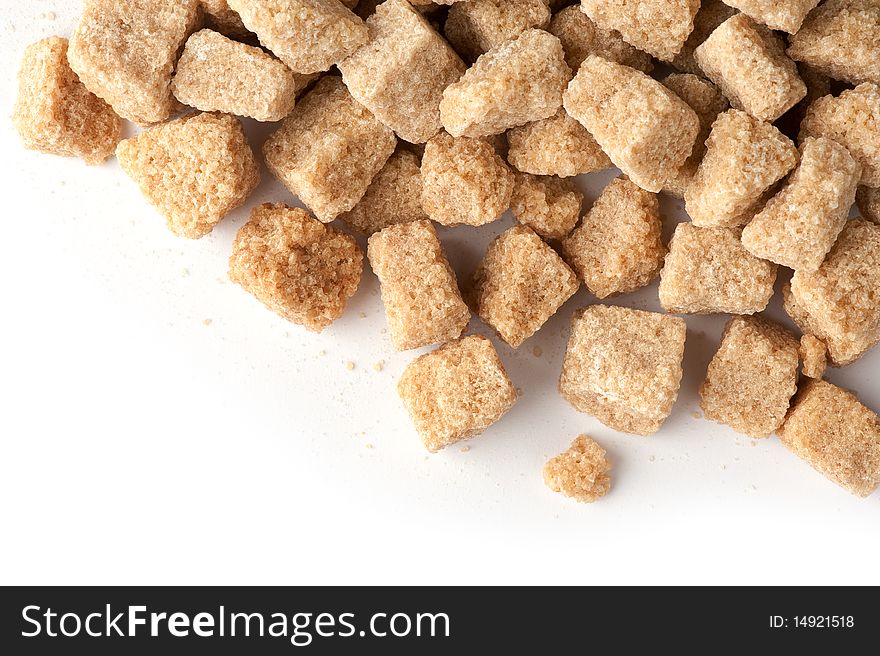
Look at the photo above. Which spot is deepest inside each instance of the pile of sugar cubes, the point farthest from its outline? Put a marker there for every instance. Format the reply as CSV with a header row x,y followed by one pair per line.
x,y
400,114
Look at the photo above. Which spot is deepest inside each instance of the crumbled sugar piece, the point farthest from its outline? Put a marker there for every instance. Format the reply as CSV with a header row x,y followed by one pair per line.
x,y
379,366
422,302
752,377
643,127
55,113
307,35
218,74
800,224
837,435
868,200
785,16
465,448
296,266
744,158
124,51
477,26
708,271
220,18
659,27
401,73
839,302
456,392
581,37
558,145
853,120
814,356
623,366
618,247
711,14
537,351
350,366
581,472
841,38
749,63
207,322
329,149
464,181
195,170
520,284
515,83
549,205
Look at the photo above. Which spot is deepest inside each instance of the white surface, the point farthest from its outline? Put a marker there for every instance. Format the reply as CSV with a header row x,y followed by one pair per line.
x,y
142,446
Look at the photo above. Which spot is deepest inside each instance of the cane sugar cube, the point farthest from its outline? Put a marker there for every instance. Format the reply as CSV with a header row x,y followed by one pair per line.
x,y
752,377
786,16
659,27
329,149
515,83
422,302
400,75
548,205
55,113
581,37
220,18
394,197
837,435
456,392
581,472
749,63
800,224
558,145
520,284
618,248
868,200
299,268
839,303
623,366
124,51
218,74
645,129
464,181
841,38
853,120
195,170
477,26
814,356
712,13
709,271
744,158
309,36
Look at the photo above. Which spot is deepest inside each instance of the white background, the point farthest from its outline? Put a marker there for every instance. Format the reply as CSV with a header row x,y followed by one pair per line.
x,y
160,426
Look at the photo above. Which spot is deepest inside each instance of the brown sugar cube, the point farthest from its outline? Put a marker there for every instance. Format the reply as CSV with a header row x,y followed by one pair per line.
x,y
800,224
708,102
708,271
395,196
749,63
296,266
456,392
744,158
785,16
837,435
659,27
195,170
814,356
55,113
558,145
124,51
712,13
548,205
581,37
520,284
464,181
623,366
752,377
218,74
329,149
618,247
220,18
422,302
852,120
868,200
646,130
839,303
400,75
515,83
307,35
581,472
477,26
841,38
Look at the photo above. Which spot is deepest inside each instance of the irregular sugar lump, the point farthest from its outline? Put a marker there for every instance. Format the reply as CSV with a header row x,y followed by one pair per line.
x,y
581,472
